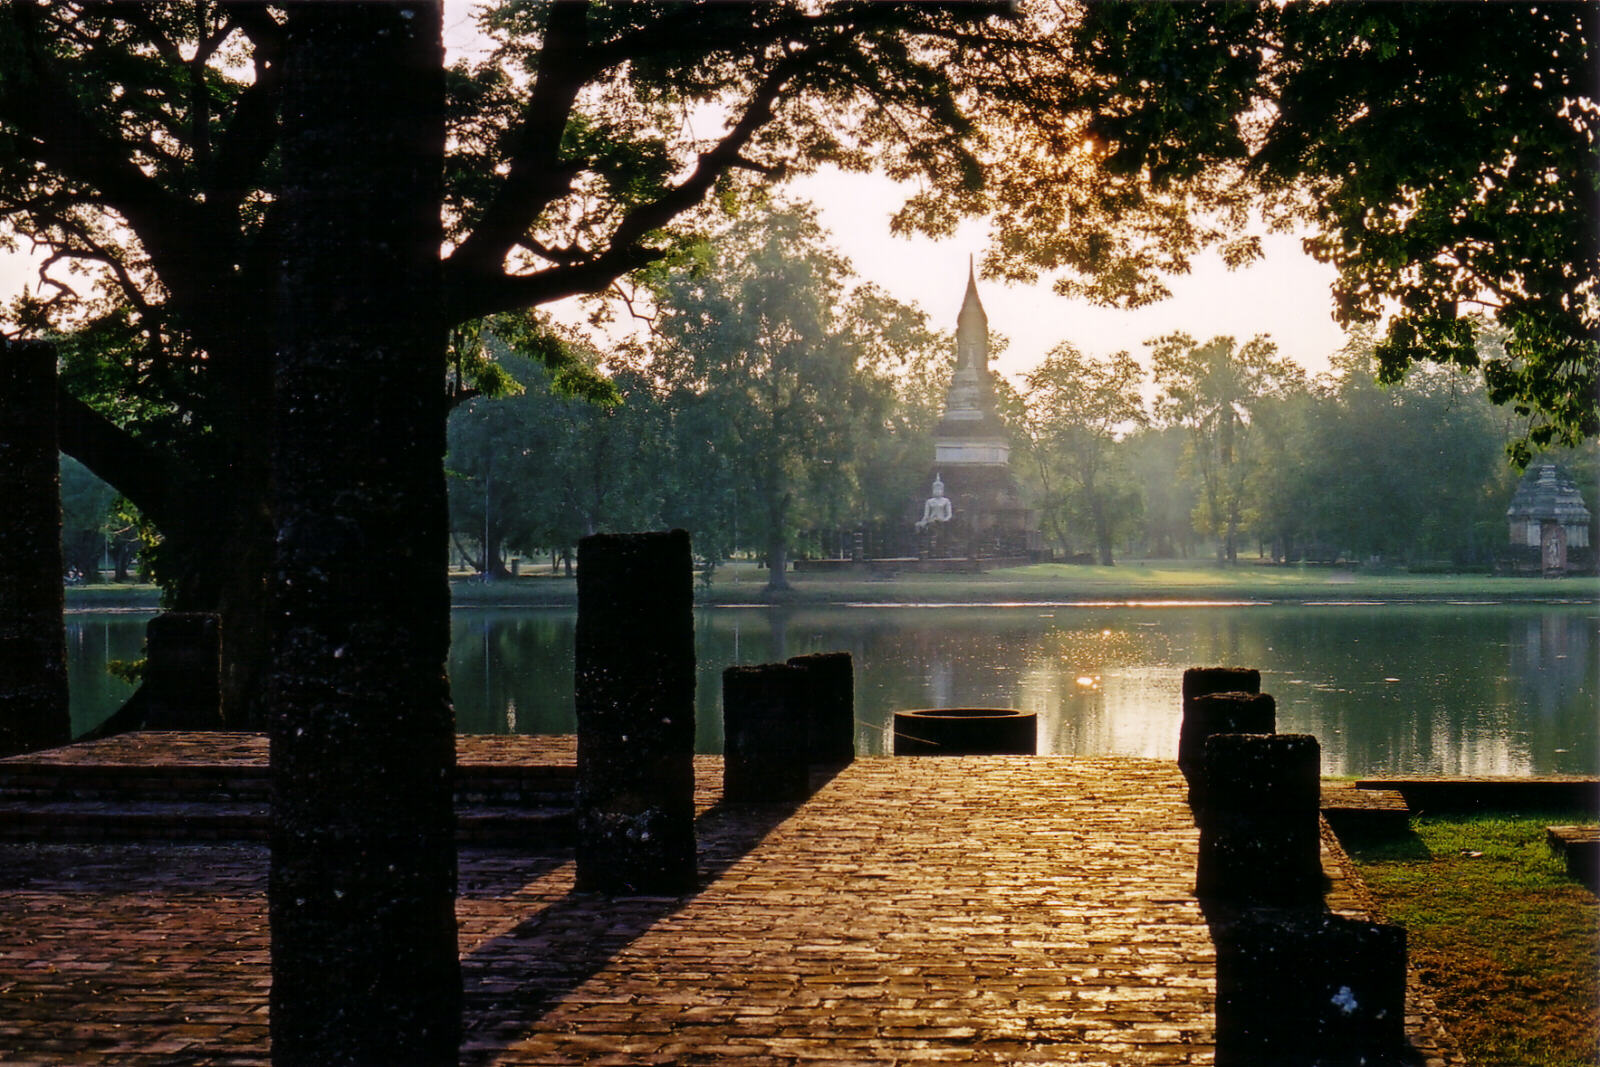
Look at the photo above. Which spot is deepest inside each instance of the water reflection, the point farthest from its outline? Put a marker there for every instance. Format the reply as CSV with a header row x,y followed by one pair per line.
x,y
94,639
1481,689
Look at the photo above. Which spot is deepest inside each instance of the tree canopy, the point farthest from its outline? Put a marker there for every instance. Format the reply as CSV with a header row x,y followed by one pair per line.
x,y
777,374
1444,157
1213,390
142,147
1074,408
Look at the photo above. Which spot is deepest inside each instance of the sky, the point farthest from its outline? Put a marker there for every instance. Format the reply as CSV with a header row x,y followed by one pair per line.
x,y
1286,294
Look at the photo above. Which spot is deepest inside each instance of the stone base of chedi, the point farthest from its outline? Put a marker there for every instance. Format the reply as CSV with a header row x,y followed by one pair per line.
x,y
988,518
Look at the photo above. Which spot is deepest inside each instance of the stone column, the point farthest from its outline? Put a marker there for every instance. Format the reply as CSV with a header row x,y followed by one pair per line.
x,y
1260,840
634,690
1220,713
764,734
362,880
1297,988
1199,681
827,690
183,671
33,648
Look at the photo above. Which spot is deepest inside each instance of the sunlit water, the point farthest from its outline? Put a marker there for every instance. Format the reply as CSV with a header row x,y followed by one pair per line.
x,y
1456,689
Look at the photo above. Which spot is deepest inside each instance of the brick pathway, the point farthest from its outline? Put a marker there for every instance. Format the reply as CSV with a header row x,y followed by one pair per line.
x,y
976,910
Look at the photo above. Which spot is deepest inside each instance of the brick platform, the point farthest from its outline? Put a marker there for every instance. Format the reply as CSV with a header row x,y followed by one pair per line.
x,y
1579,846
214,786
1372,811
964,910
1433,793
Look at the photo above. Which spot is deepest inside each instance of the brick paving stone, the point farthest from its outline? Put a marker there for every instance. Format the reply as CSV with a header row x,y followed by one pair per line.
x,y
961,910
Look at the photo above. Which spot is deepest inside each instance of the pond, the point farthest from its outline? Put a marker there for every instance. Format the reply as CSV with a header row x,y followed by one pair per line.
x,y
1396,688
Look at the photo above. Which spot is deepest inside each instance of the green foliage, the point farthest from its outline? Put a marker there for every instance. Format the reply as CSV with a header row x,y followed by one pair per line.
x,y
779,381
1442,157
1154,458
86,509
544,463
1214,391
1074,409
130,671
1410,472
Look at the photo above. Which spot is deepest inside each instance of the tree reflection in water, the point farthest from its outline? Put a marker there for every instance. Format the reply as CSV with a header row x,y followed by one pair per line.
x,y
1452,689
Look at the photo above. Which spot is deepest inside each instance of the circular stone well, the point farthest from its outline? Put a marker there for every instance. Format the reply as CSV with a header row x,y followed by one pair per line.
x,y
965,732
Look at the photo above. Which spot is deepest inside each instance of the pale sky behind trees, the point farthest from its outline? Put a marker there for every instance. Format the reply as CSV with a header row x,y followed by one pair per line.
x,y
1286,294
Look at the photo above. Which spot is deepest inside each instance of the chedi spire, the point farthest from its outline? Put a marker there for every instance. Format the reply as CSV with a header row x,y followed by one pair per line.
x,y
972,326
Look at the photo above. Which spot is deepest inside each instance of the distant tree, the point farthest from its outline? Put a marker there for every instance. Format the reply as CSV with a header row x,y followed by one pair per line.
x,y
777,376
1286,495
1212,390
492,443
1412,470
907,361
542,465
1154,458
87,509
1076,406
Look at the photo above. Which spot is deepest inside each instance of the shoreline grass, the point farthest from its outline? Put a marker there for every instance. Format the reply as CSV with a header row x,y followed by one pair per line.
x,y
1165,580
1504,939
1137,581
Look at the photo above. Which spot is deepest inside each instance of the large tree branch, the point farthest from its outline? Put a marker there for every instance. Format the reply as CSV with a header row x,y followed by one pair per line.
x,y
249,138
536,173
36,104
471,294
145,476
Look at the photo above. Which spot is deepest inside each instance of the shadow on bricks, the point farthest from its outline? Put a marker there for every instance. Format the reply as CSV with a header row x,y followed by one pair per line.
x,y
512,980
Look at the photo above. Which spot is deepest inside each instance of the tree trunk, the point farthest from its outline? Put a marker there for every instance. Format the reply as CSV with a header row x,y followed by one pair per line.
x,y
363,868
1102,535
777,563
494,560
778,545
243,604
122,558
33,648
213,513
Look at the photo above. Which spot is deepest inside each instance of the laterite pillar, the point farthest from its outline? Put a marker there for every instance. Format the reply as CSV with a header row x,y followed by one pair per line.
x,y
33,646
634,690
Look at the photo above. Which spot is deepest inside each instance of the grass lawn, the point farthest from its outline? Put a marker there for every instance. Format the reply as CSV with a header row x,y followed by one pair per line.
x,y
1507,942
104,595
742,582
1156,580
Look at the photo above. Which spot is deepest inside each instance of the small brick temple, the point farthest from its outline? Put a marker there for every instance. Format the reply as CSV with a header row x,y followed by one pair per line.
x,y
1547,515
